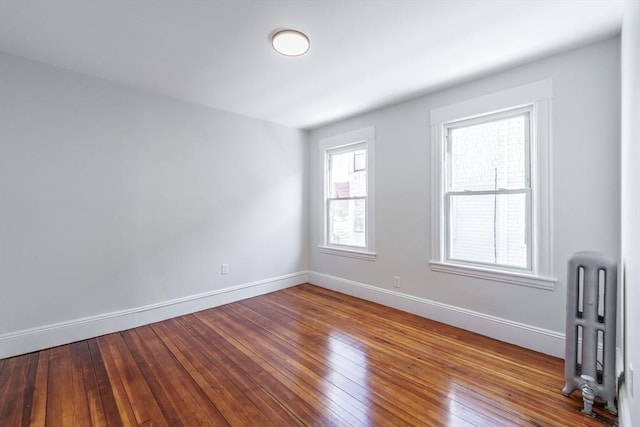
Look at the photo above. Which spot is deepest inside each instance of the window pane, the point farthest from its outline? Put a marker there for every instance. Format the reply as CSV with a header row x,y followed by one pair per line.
x,y
489,156
359,160
489,229
347,222
348,175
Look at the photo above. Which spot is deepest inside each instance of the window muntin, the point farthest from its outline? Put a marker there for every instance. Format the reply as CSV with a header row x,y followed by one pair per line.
x,y
488,197
346,196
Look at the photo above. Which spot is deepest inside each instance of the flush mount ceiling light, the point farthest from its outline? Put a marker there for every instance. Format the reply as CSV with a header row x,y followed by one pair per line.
x,y
290,42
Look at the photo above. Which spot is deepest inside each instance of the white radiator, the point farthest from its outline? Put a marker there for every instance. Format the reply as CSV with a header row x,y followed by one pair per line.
x,y
591,328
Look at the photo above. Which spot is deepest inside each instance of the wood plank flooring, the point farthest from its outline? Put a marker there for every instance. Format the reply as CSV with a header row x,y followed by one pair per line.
x,y
300,356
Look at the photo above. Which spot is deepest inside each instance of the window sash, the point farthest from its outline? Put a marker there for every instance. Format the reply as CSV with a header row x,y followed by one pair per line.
x,y
329,224
526,111
528,229
330,153
347,148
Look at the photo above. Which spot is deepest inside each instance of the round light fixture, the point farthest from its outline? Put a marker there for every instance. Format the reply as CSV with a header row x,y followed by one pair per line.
x,y
290,42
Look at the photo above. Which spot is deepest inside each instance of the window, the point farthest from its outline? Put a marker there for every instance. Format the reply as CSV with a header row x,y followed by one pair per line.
x,y
346,196
491,187
347,227
488,192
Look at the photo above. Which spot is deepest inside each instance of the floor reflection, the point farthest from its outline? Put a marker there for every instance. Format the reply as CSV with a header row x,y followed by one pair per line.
x,y
456,409
347,387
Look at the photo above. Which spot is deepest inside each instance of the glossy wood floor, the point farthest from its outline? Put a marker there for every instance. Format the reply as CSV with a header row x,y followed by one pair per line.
x,y
301,356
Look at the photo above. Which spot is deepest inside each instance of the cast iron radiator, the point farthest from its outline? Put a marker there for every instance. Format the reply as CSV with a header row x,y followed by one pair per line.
x,y
591,328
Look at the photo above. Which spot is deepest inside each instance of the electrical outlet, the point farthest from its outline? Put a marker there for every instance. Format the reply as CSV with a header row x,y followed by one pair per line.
x,y
396,281
224,269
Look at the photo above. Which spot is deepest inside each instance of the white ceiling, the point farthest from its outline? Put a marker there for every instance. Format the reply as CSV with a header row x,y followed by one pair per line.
x,y
364,54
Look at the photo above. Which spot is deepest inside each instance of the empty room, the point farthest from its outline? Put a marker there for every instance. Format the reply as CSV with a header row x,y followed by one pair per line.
x,y
319,213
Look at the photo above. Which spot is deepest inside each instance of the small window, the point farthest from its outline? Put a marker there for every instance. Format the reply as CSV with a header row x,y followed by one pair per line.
x,y
347,194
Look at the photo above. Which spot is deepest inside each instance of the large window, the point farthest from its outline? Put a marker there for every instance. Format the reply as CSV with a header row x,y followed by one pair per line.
x,y
491,198
488,190
347,194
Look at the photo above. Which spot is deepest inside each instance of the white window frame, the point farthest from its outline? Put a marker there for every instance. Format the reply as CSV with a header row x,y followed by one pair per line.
x,y
346,142
537,96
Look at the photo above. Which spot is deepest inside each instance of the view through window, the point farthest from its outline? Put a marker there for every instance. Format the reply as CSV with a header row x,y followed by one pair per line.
x,y
488,190
347,196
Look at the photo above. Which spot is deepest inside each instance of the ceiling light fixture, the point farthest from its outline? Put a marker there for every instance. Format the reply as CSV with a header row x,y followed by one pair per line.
x,y
290,42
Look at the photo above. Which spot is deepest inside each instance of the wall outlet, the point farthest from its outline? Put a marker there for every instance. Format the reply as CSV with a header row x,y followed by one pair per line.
x,y
224,269
396,281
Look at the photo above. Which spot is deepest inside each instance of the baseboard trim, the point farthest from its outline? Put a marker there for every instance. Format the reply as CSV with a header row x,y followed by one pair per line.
x,y
34,339
531,337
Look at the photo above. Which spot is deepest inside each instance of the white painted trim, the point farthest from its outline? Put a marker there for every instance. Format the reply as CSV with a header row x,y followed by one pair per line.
x,y
368,256
541,184
493,102
34,339
532,337
510,277
624,411
619,364
348,138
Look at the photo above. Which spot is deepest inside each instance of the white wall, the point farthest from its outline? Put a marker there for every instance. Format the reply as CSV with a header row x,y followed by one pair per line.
x,y
114,199
586,200
630,395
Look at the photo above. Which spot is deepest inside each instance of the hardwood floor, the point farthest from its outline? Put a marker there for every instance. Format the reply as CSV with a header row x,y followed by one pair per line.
x,y
301,356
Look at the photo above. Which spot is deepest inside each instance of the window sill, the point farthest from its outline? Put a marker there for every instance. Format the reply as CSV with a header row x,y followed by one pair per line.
x,y
532,281
351,253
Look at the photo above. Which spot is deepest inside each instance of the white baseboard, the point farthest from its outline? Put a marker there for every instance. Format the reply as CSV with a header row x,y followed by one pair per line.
x,y
34,339
534,338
